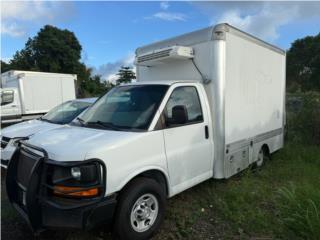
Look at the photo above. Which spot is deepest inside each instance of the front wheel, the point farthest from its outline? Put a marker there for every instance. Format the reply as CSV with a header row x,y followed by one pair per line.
x,y
140,210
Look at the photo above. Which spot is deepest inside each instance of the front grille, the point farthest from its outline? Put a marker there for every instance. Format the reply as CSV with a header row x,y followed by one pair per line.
x,y
25,166
5,141
21,198
23,180
4,162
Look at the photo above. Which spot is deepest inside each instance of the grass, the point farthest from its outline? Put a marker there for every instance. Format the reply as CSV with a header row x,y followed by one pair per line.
x,y
258,204
279,201
301,211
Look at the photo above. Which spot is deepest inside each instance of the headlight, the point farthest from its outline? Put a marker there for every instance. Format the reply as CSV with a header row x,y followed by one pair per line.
x,y
76,173
83,180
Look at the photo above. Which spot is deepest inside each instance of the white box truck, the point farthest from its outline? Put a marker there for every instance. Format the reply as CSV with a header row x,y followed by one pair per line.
x,y
27,95
207,104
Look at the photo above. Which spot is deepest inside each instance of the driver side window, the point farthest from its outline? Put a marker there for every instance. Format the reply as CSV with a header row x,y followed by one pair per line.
x,y
183,107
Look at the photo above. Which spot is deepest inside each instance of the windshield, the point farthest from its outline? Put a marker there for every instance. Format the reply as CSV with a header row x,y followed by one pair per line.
x,y
65,112
125,107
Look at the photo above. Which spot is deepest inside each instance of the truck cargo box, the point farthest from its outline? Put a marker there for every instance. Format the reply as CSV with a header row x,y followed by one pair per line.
x,y
36,92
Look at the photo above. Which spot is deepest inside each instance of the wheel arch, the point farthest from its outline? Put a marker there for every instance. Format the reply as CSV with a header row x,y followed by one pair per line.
x,y
155,173
265,148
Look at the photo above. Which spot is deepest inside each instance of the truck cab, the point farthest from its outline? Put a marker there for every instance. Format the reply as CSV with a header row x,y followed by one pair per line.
x,y
10,102
132,132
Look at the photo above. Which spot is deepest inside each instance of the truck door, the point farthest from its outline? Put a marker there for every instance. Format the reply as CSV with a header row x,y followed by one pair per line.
x,y
189,147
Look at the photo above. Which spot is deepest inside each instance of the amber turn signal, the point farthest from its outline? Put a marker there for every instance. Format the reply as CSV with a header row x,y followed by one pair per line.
x,y
75,191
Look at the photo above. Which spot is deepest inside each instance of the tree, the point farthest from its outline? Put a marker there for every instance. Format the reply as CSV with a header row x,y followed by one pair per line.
x,y
5,66
59,51
126,75
51,50
95,86
109,85
303,64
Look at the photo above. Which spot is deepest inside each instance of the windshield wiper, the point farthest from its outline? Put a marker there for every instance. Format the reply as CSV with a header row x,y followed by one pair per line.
x,y
50,121
106,125
46,120
81,121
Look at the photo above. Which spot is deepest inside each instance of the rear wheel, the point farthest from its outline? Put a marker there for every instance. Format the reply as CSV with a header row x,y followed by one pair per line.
x,y
260,159
263,156
140,210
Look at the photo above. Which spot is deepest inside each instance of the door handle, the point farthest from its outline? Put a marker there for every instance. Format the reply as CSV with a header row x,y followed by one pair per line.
x,y
13,105
206,131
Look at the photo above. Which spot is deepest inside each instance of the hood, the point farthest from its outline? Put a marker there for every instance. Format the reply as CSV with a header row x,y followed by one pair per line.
x,y
73,143
28,128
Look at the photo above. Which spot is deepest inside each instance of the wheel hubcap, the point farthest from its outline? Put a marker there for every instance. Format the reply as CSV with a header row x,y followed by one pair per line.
x,y
144,212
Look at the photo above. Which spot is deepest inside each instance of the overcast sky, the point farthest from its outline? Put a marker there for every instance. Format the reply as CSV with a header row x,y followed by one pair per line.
x,y
109,32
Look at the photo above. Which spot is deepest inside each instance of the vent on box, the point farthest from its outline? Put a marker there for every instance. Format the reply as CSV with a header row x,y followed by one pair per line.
x,y
161,55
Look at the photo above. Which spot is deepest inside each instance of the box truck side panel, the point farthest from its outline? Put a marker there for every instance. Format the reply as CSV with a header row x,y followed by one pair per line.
x,y
41,93
68,89
10,82
254,90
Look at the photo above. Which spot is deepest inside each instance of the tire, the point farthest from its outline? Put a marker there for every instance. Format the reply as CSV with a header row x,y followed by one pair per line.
x,y
140,211
262,157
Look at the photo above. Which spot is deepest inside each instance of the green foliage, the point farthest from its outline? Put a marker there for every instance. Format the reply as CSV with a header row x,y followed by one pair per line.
x,y
303,64
59,51
51,50
247,206
126,75
252,201
95,86
4,66
303,117
300,209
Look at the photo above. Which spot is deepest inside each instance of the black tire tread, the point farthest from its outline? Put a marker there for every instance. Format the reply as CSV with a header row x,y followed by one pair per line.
x,y
127,197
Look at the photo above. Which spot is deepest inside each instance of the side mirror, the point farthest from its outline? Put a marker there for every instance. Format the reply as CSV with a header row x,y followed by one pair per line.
x,y
179,114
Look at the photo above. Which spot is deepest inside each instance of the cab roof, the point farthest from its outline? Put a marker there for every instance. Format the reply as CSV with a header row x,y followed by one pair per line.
x,y
161,82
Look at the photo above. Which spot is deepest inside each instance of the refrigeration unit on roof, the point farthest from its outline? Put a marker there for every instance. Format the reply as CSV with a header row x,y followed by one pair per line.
x,y
165,54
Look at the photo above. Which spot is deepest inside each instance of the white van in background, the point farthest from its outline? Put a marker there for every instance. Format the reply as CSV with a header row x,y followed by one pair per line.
x,y
206,104
27,95
61,114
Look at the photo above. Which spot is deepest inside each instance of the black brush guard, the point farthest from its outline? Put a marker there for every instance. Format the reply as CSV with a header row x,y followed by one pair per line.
x,y
23,183
27,190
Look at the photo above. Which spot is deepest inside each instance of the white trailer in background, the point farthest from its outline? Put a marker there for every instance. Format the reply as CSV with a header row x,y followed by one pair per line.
x,y
28,95
205,105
